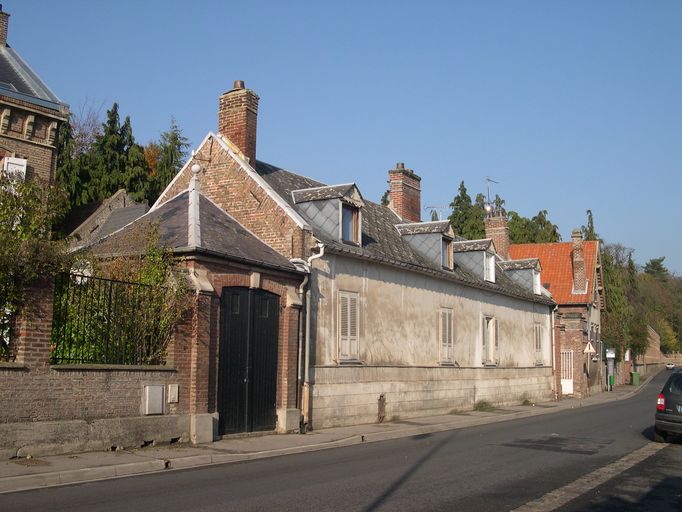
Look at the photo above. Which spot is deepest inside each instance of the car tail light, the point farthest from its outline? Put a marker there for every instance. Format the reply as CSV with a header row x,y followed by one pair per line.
x,y
660,402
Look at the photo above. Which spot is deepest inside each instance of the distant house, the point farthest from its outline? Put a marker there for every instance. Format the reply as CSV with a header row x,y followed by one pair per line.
x,y
401,318
96,220
572,272
30,115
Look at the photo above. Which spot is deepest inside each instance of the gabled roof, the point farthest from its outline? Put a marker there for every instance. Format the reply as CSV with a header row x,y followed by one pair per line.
x,y
525,264
381,241
220,234
557,268
420,228
326,192
19,81
472,245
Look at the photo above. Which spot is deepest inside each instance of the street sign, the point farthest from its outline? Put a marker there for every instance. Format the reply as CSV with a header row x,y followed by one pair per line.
x,y
610,353
589,349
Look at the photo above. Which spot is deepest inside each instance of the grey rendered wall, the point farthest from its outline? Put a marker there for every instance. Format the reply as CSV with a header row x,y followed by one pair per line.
x,y
400,350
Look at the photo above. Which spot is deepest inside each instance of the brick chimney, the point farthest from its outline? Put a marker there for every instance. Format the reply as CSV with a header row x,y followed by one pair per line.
x,y
237,118
405,193
496,228
4,26
579,278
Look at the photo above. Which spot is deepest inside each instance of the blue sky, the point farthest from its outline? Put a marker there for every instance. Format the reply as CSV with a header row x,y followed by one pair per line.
x,y
568,105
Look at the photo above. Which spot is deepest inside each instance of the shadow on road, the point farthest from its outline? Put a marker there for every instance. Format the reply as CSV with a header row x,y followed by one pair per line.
x,y
381,499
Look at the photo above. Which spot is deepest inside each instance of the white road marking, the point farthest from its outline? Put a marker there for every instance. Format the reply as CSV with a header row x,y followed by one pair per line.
x,y
559,497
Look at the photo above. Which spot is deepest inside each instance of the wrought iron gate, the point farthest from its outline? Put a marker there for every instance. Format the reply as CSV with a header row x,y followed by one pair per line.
x,y
247,389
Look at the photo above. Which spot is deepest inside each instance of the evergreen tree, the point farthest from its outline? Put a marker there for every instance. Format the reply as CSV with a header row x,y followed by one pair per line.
x,y
588,231
384,198
172,154
654,267
467,218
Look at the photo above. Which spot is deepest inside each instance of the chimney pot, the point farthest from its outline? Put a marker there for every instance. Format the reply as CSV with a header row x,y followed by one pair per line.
x,y
496,228
405,192
579,273
238,84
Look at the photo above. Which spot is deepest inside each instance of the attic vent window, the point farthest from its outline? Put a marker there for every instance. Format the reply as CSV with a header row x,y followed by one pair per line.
x,y
446,253
350,224
537,288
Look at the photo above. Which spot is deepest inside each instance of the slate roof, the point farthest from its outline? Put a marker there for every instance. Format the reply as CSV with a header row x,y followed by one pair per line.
x,y
419,228
471,245
381,241
556,260
221,235
525,264
321,193
19,81
122,217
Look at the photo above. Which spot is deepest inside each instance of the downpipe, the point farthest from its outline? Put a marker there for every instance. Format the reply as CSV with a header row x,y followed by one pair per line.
x,y
554,379
305,426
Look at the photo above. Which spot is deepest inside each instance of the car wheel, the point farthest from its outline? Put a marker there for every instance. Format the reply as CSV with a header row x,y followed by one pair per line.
x,y
659,435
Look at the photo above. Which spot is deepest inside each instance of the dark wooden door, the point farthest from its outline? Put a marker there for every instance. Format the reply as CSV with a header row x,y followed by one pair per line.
x,y
248,360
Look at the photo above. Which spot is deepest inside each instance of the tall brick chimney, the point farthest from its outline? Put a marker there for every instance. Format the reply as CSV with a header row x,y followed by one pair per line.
x,y
4,26
497,229
237,117
579,278
405,193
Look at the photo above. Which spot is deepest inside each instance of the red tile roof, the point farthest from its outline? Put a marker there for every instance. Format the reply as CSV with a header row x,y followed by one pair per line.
x,y
556,260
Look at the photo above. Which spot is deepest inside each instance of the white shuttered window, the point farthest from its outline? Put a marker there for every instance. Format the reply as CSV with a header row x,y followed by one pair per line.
x,y
490,341
349,320
538,335
445,335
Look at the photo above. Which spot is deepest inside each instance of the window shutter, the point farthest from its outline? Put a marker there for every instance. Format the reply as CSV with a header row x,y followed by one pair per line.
x,y
484,336
348,326
497,341
343,327
353,325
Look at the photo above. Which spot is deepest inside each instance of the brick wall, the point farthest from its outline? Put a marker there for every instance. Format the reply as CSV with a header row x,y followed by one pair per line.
x,y
33,390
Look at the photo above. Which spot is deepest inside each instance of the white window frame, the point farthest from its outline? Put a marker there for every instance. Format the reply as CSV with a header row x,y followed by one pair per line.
x,y
489,267
446,336
356,235
348,332
539,343
537,285
490,344
15,168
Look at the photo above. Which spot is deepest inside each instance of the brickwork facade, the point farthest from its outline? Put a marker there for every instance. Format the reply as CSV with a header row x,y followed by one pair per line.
x,y
228,185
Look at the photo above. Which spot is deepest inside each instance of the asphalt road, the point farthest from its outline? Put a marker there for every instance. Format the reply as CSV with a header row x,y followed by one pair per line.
x,y
487,468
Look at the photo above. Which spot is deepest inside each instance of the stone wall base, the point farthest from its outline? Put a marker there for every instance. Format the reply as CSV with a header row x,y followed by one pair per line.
x,y
288,420
68,436
203,427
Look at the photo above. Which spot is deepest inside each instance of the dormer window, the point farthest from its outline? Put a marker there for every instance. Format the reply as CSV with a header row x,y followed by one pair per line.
x,y
489,267
446,253
537,287
350,223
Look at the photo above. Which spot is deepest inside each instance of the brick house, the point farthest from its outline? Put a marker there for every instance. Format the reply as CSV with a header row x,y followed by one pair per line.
x,y
573,275
30,115
401,318
214,380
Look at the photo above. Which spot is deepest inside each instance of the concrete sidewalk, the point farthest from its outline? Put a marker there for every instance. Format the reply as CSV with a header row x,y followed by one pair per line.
x,y
24,474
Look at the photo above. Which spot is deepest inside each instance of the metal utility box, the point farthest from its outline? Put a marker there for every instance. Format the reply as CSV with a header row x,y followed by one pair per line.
x,y
153,399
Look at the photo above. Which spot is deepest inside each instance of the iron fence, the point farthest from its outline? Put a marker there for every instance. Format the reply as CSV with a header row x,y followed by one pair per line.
x,y
103,321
